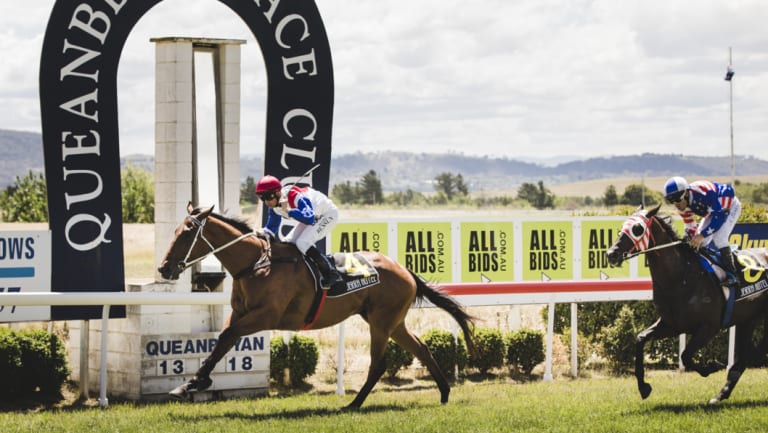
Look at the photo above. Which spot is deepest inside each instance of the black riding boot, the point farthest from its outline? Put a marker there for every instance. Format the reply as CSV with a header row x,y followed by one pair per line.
x,y
331,276
726,256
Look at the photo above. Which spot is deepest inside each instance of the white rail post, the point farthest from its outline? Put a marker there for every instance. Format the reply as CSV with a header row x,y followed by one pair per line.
x,y
85,330
340,362
103,402
550,337
574,341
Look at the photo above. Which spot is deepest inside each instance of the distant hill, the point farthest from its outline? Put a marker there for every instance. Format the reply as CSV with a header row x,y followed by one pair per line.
x,y
19,153
399,171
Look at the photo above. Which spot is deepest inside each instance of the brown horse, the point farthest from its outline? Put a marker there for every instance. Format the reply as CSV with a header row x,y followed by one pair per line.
x,y
274,289
689,299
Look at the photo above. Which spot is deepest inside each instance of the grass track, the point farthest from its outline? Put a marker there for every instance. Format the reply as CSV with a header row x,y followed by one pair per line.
x,y
678,404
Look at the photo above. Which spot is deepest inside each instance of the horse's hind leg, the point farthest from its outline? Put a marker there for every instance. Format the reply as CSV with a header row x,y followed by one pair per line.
x,y
745,352
411,343
377,368
698,340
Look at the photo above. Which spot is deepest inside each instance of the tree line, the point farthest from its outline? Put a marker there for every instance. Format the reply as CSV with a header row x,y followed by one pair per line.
x,y
26,199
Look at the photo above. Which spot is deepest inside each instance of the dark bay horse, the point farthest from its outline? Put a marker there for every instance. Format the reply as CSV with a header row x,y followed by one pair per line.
x,y
689,298
274,289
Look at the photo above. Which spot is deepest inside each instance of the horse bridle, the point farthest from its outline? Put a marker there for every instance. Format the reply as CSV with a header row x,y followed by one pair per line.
x,y
184,264
628,256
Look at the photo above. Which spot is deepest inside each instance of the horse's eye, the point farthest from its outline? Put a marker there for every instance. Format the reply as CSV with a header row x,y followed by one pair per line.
x,y
637,230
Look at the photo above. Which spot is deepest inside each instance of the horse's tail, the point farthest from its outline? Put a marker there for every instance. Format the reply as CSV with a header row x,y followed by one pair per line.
x,y
447,303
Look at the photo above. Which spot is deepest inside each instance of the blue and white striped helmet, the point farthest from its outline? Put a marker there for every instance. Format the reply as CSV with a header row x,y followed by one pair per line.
x,y
675,188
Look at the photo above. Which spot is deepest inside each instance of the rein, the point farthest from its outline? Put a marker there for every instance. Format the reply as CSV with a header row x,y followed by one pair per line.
x,y
184,264
657,247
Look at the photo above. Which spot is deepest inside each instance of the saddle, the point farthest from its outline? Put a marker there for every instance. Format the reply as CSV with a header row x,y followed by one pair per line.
x,y
356,271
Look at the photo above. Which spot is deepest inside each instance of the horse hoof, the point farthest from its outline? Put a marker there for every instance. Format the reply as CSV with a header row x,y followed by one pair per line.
x,y
180,393
352,407
645,390
713,401
202,384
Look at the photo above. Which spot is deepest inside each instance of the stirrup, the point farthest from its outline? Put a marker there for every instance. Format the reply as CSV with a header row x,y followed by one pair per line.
x,y
730,279
334,280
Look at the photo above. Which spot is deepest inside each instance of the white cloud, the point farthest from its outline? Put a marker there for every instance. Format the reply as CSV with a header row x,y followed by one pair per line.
x,y
505,78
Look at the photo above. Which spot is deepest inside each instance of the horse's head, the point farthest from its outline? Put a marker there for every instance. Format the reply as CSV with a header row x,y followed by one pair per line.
x,y
186,245
635,235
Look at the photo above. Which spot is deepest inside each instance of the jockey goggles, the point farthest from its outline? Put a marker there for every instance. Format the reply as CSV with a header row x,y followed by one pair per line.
x,y
675,198
267,196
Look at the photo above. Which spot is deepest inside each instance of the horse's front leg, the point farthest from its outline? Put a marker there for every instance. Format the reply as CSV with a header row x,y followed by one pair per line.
x,y
253,321
658,330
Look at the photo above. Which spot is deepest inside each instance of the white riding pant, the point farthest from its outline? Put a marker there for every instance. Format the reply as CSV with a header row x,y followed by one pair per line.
x,y
305,236
720,238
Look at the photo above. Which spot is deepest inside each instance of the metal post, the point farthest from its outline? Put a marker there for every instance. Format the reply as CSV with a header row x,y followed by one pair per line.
x,y
730,85
550,336
340,362
574,341
680,349
732,329
103,402
85,330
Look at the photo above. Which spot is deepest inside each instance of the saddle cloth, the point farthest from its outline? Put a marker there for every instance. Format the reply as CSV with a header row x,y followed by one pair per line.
x,y
356,271
751,268
751,275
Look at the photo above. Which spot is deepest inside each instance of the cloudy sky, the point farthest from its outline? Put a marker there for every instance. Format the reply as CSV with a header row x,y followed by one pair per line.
x,y
499,78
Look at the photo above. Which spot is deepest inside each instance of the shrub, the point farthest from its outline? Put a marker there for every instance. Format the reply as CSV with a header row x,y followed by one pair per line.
x,y
447,352
33,363
593,317
489,350
524,349
10,361
618,340
396,358
278,359
303,355
300,356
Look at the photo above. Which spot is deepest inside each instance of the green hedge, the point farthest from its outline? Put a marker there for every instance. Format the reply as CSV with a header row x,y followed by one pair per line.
x,y
524,349
450,353
396,358
489,350
300,356
34,364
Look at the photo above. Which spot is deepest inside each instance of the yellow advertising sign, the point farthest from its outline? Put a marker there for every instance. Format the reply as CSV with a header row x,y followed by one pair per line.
x,y
425,248
596,237
486,252
548,247
349,237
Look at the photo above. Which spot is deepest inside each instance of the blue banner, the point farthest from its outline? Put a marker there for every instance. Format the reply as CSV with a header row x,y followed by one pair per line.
x,y
750,235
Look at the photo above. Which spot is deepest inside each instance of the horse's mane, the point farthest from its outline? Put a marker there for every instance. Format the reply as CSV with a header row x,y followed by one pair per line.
x,y
237,222
666,223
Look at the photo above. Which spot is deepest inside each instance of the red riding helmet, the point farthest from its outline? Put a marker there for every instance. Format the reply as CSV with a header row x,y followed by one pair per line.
x,y
268,183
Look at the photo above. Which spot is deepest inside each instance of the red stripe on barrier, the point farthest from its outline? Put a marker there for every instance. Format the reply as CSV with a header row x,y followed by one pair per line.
x,y
522,287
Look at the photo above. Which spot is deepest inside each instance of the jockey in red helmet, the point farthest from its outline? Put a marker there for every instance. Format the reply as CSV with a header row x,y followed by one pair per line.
x,y
315,215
